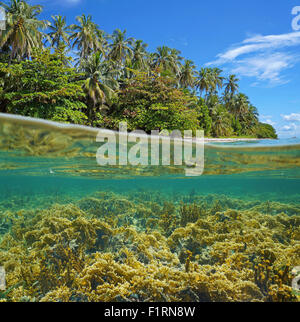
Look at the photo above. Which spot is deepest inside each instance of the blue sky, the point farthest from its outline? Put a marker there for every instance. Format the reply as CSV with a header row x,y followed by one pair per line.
x,y
253,39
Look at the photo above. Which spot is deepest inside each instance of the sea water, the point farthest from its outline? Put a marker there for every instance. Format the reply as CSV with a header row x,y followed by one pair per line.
x,y
71,230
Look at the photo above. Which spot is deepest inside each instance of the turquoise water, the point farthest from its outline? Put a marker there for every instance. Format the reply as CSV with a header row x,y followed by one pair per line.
x,y
261,143
44,166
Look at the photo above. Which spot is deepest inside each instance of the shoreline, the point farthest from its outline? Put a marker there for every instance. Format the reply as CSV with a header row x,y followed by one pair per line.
x,y
231,140
65,126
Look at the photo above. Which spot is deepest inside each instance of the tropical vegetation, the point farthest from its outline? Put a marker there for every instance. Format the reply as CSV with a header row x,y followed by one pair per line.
x,y
80,74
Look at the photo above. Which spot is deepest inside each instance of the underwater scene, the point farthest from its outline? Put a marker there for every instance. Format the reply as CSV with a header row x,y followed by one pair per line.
x,y
74,231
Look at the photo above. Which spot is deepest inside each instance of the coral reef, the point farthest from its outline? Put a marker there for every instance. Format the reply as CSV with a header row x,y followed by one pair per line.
x,y
151,247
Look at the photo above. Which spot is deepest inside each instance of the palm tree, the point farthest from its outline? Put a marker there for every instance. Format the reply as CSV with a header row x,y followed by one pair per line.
x,y
231,87
139,61
240,105
176,59
100,83
213,103
59,32
151,57
22,33
204,81
250,120
254,111
221,122
166,59
85,36
101,41
186,76
120,49
216,79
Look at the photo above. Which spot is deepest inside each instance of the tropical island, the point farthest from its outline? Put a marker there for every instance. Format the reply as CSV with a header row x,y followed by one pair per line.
x,y
80,74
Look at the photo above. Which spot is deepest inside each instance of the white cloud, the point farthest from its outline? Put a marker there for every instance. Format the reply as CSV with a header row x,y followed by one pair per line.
x,y
290,130
291,125
258,44
262,57
270,122
294,117
287,128
267,119
265,67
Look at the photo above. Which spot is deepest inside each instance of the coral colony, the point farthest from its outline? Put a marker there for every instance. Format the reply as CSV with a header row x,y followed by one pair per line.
x,y
142,247
64,237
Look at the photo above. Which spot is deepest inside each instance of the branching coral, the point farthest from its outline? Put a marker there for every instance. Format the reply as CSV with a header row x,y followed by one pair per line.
x,y
111,247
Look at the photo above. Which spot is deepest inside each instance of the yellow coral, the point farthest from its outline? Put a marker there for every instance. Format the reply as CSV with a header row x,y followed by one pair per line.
x,y
74,253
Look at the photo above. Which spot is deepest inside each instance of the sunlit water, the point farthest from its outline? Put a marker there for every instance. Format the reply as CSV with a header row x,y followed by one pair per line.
x,y
44,164
38,158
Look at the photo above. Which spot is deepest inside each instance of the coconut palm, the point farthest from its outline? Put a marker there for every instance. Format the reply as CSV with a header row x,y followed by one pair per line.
x,y
59,33
221,122
176,59
85,36
99,85
212,103
151,59
166,59
23,30
254,111
139,60
186,76
249,120
204,81
239,106
102,43
232,86
120,49
216,80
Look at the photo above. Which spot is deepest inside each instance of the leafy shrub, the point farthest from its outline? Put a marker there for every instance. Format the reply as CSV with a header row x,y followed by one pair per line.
x,y
266,131
44,87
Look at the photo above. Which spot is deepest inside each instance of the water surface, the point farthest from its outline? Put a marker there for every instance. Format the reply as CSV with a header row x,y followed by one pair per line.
x,y
72,230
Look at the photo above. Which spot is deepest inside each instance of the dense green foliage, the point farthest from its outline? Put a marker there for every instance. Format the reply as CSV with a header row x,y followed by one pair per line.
x,y
42,87
153,103
113,78
266,131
